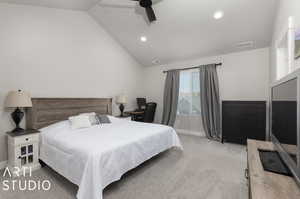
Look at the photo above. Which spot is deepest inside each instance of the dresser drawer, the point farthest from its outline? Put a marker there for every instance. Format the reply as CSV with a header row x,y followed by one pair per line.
x,y
20,140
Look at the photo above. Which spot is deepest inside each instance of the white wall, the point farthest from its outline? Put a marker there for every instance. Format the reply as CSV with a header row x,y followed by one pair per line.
x,y
243,76
60,53
286,8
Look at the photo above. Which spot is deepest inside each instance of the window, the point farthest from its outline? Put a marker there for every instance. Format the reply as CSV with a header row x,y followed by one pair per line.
x,y
189,93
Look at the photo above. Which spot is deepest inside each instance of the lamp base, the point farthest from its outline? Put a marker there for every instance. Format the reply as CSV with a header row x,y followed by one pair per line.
x,y
18,130
121,110
17,117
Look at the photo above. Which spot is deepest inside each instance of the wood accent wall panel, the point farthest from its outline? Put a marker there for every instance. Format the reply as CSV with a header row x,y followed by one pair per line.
x,y
46,111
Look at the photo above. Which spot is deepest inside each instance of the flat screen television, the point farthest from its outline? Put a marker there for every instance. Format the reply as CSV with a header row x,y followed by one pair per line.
x,y
285,124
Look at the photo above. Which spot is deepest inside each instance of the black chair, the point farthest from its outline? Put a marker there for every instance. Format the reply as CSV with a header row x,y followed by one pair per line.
x,y
149,112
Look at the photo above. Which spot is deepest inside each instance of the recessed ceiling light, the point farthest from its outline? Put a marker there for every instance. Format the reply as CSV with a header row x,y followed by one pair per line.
x,y
143,38
218,14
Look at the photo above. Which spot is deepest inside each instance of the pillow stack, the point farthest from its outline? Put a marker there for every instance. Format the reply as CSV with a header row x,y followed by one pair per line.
x,y
80,121
92,117
86,120
103,119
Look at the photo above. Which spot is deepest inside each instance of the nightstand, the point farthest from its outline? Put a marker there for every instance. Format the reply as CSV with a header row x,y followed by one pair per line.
x,y
23,150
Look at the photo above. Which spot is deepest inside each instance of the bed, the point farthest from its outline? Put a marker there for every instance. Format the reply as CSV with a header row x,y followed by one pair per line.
x,y
94,157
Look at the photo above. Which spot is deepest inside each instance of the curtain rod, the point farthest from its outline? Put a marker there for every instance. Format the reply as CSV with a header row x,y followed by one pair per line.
x,y
218,64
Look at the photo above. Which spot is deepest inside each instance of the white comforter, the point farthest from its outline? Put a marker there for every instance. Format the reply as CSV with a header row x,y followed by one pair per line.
x,y
94,157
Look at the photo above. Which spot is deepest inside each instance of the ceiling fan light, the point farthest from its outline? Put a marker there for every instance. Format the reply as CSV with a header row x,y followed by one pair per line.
x,y
145,3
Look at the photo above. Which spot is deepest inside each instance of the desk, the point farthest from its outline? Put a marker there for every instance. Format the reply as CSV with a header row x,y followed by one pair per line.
x,y
136,115
125,117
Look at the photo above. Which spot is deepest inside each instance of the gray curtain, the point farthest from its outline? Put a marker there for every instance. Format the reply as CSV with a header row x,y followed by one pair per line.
x,y
171,93
210,101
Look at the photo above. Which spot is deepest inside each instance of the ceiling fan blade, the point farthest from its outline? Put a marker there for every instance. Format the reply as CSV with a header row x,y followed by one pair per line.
x,y
150,14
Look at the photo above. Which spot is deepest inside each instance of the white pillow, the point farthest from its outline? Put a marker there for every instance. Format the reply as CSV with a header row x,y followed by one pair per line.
x,y
92,117
80,121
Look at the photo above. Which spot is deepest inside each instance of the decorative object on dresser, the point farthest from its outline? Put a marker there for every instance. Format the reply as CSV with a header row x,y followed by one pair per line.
x,y
121,100
23,150
242,120
18,99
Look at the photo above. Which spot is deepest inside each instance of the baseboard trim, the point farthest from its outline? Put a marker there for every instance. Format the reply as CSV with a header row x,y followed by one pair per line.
x,y
3,164
186,132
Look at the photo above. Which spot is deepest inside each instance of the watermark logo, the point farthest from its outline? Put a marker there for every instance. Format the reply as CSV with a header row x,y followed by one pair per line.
x,y
27,184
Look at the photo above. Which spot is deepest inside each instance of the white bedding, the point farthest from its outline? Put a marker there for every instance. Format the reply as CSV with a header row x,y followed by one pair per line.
x,y
94,157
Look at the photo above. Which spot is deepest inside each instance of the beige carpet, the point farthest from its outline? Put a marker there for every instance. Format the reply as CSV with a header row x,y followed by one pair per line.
x,y
205,170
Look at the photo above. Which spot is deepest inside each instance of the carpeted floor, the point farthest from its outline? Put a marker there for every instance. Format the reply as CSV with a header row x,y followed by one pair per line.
x,y
205,170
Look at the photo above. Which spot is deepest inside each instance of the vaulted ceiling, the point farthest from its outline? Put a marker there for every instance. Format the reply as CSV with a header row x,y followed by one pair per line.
x,y
65,4
185,29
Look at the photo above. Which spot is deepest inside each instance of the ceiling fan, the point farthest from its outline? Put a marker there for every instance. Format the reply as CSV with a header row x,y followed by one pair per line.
x,y
140,7
147,4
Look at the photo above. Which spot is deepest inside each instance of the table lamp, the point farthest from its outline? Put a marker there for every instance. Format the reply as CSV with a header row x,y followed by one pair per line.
x,y
18,99
121,99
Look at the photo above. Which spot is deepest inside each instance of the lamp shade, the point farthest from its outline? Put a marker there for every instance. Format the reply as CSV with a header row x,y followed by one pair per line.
x,y
121,99
18,99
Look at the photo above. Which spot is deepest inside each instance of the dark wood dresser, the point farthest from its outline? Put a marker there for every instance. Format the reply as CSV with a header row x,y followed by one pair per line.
x,y
242,120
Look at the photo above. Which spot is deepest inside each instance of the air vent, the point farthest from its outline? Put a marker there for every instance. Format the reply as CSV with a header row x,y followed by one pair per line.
x,y
245,44
156,61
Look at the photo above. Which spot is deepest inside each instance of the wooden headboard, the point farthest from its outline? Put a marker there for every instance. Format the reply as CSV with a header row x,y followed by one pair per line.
x,y
46,111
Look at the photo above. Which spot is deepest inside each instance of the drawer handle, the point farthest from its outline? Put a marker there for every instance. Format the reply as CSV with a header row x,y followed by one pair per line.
x,y
247,173
27,139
